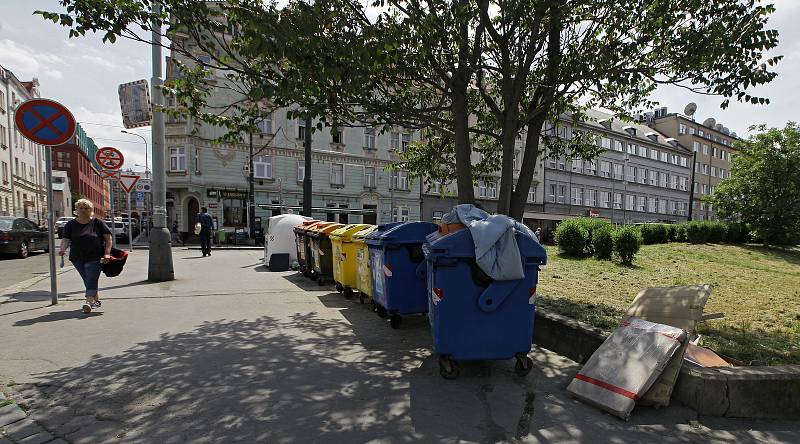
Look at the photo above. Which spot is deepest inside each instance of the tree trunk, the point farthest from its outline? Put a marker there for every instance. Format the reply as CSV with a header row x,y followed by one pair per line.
x,y
507,165
466,193
529,161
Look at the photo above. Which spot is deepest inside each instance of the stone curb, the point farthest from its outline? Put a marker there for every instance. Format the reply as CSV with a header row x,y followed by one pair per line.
x,y
17,427
739,392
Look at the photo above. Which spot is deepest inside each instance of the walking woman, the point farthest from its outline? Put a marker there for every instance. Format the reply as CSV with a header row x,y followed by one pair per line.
x,y
89,243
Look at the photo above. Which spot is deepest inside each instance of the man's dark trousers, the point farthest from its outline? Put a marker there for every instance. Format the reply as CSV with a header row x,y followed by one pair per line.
x,y
205,241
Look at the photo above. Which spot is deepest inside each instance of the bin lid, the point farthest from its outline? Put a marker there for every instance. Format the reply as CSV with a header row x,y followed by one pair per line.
x,y
359,236
346,232
325,231
317,226
459,244
402,233
305,225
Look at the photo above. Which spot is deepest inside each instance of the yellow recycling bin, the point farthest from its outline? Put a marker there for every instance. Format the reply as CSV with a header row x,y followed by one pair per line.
x,y
364,278
344,258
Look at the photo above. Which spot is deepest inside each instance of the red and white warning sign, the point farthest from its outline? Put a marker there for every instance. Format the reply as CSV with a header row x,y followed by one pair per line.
x,y
109,158
128,181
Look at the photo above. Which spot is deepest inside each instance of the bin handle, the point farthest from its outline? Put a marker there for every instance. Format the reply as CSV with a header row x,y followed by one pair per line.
x,y
496,293
422,270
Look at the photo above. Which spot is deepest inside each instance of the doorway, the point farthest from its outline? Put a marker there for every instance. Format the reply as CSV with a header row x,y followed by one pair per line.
x,y
192,208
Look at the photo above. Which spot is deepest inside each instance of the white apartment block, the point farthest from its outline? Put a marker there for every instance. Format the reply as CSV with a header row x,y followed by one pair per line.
x,y
22,163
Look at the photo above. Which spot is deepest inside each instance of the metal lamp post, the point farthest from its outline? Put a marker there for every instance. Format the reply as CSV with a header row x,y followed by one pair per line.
x,y
146,161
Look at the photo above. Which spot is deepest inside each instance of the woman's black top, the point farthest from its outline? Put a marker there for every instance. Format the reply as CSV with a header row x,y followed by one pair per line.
x,y
86,240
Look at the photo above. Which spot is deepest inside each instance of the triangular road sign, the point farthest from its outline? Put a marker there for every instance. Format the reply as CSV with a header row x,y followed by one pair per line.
x,y
128,181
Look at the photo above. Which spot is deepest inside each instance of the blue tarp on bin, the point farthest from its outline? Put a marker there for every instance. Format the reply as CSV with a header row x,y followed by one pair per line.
x,y
472,316
398,266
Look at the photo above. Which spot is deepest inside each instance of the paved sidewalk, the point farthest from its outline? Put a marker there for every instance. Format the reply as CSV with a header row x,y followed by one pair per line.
x,y
230,352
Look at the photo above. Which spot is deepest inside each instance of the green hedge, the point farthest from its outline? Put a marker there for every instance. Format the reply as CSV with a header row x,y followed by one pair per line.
x,y
603,241
654,233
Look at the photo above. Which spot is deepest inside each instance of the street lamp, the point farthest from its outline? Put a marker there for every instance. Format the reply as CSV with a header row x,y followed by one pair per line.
x,y
146,161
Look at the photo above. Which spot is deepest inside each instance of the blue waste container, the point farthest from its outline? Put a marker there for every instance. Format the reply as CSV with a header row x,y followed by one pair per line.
x,y
472,316
398,269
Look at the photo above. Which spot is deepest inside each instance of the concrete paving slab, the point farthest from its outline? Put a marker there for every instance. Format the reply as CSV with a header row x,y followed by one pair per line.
x,y
39,438
22,429
228,352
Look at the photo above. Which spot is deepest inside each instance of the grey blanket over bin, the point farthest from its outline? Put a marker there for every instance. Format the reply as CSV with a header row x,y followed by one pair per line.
x,y
496,249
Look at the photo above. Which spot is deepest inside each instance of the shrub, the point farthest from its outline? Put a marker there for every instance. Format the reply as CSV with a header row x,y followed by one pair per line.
x,y
571,237
671,228
680,233
697,232
591,224
603,242
627,241
653,233
737,233
717,232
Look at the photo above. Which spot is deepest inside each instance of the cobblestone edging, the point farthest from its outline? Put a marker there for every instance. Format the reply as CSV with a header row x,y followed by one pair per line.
x,y
738,392
17,427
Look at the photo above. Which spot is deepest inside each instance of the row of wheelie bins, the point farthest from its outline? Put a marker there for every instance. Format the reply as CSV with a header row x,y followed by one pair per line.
x,y
410,268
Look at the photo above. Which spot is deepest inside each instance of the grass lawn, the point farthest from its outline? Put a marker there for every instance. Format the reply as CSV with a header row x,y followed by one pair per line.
x,y
757,288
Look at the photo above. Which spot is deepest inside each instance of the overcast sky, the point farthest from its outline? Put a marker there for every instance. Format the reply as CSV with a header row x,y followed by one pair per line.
x,y
83,74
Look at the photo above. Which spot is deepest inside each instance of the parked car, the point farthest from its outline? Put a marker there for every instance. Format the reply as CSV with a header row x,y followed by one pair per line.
x,y
117,230
20,236
60,225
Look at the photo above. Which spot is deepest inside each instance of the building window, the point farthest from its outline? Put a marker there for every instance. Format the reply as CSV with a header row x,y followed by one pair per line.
x,y
369,177
605,199
577,165
605,143
705,169
262,167
400,214
674,182
642,203
654,154
682,182
369,138
301,129
436,187
721,173
722,154
405,141
664,179
631,148
481,189
551,195
577,196
642,151
705,188
562,192
618,201
177,159
591,198
714,151
681,129
301,170
337,174
662,206
531,195
590,167
265,125
196,161
618,146
653,178
394,143
400,180
551,163
695,146
562,164
5,172
618,171
642,176
605,168
491,189
631,177
630,202
684,162
337,136
713,170
705,149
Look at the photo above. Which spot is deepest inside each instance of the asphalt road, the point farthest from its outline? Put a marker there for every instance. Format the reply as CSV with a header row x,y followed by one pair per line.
x,y
14,270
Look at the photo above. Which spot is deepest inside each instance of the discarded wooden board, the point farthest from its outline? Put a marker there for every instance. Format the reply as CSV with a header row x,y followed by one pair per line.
x,y
704,357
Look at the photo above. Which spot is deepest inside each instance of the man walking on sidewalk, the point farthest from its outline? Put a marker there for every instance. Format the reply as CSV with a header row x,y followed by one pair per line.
x,y
206,225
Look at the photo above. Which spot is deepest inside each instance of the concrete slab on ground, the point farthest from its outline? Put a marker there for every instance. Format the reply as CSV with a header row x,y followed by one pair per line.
x,y
231,352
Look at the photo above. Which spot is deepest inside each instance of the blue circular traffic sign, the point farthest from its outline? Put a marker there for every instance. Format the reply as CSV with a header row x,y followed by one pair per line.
x,y
45,122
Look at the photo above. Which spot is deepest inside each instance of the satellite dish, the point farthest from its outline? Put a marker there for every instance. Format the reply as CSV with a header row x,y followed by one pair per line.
x,y
710,122
719,127
690,109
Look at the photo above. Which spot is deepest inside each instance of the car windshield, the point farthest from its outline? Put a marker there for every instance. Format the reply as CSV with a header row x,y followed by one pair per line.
x,y
5,224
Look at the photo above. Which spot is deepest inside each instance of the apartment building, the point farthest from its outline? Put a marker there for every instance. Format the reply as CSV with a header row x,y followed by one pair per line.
x,y
84,179
714,145
22,170
351,183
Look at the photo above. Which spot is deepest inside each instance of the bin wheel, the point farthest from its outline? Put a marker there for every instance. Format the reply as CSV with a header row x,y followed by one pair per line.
x,y
395,320
381,311
339,287
321,280
348,293
448,368
306,272
523,366
362,298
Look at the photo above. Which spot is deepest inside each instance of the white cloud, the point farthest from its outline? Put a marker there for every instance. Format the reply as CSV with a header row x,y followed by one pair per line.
x,y
105,63
25,62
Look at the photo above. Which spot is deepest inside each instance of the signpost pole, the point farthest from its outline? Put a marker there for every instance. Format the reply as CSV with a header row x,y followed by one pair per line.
x,y
111,199
160,266
51,242
130,227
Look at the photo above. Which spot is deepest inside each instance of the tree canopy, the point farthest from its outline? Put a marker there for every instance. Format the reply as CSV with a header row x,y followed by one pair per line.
x,y
473,74
764,188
